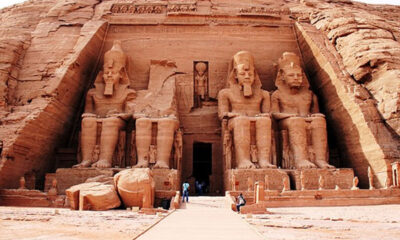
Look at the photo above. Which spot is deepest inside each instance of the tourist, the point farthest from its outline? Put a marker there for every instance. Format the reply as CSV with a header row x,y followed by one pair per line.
x,y
240,202
185,187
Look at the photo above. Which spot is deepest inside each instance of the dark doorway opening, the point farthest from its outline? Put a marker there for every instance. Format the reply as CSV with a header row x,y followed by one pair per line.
x,y
202,166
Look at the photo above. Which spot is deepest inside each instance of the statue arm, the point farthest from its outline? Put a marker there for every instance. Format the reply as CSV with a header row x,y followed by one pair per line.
x,y
315,108
266,104
223,105
275,109
89,108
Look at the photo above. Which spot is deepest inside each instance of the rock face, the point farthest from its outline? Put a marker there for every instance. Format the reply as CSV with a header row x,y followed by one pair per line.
x,y
93,196
51,52
136,187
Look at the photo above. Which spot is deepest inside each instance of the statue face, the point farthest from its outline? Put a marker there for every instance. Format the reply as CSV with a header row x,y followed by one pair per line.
x,y
293,77
245,78
111,76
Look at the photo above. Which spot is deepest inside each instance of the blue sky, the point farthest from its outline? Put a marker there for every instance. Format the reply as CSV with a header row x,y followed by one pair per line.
x,y
5,3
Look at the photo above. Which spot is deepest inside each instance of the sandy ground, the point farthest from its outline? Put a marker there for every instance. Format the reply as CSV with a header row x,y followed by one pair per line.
x,y
63,224
358,222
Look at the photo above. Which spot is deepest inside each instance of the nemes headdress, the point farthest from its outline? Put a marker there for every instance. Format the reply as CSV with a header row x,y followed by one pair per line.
x,y
242,57
289,60
116,58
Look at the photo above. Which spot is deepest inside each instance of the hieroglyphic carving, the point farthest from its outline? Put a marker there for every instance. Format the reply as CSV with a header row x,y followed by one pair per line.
x,y
182,8
263,11
130,8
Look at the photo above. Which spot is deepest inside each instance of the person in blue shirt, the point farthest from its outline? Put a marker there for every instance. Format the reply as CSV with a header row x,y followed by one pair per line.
x,y
185,187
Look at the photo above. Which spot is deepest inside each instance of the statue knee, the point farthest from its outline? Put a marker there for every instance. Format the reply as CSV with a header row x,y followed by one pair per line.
x,y
296,122
239,121
318,122
264,122
142,122
89,122
111,122
168,123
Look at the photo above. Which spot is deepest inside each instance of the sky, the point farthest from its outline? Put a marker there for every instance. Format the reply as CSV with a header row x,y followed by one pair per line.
x,y
5,3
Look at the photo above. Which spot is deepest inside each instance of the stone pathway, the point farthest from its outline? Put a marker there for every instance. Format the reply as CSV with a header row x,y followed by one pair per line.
x,y
202,218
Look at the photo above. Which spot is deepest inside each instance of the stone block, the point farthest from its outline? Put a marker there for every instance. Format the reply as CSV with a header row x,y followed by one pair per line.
x,y
342,177
93,196
68,177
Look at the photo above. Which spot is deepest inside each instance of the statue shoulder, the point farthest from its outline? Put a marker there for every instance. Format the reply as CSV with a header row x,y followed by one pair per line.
x,y
275,94
130,94
91,92
265,93
224,93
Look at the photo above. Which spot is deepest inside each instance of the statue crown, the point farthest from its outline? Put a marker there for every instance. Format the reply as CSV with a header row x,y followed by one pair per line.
x,y
115,57
289,60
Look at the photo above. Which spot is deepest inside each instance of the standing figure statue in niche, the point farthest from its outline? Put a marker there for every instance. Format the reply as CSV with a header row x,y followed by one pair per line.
x,y
247,106
295,107
201,80
105,109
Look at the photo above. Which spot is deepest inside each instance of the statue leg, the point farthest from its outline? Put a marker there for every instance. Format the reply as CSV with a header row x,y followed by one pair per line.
x,y
296,127
88,141
143,141
241,137
108,141
263,141
320,142
165,139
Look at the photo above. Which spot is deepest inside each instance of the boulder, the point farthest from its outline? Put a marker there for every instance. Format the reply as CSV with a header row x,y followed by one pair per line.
x,y
136,187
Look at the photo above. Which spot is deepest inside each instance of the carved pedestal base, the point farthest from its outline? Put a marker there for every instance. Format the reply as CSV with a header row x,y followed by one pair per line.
x,y
245,179
343,178
68,177
165,179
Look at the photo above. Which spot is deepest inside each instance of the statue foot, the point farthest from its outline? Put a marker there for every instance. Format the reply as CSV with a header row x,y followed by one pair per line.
x,y
302,164
266,164
246,164
323,164
141,164
83,164
160,165
102,164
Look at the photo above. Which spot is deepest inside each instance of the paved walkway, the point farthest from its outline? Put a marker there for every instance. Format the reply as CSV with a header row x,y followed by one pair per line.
x,y
204,218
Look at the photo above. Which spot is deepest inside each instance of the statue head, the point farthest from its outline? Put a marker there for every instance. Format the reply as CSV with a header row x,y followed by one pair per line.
x,y
242,73
290,74
201,68
114,68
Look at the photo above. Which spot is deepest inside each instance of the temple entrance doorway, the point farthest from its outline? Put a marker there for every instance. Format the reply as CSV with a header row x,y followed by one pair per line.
x,y
202,167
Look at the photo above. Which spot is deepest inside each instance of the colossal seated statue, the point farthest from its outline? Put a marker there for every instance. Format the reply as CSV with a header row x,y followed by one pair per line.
x,y
246,107
104,116
158,138
295,107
